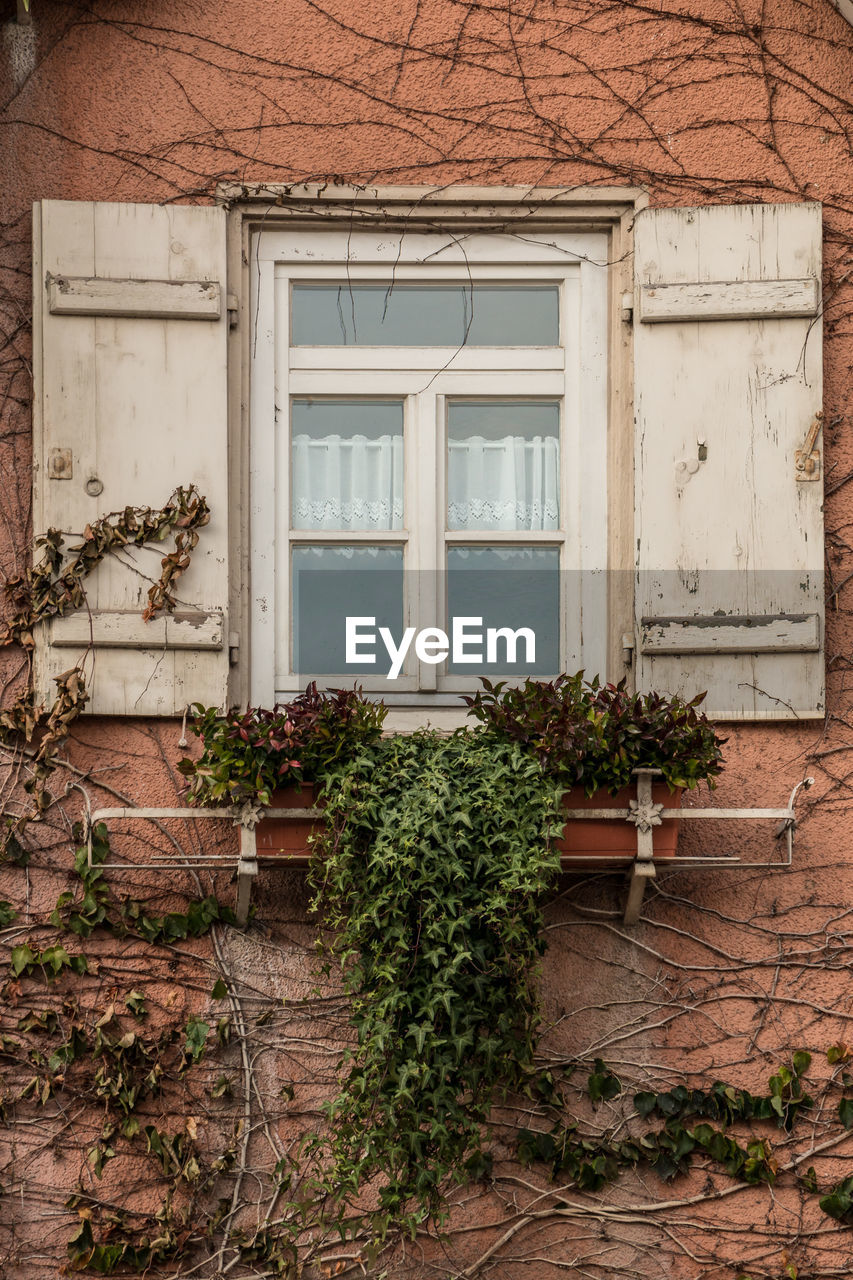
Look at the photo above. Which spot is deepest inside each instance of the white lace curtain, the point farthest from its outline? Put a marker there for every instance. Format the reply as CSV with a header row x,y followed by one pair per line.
x,y
348,482
511,483
357,483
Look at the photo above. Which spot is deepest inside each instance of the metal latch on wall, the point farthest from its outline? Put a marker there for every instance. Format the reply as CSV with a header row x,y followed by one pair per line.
x,y
807,459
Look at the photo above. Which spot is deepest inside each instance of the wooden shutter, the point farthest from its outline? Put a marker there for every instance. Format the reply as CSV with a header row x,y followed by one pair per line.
x,y
130,376
728,460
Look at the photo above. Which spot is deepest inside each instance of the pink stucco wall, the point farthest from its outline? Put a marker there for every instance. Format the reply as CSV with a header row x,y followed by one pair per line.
x,y
729,972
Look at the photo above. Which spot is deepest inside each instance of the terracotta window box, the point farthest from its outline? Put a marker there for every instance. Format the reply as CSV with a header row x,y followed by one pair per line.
x,y
584,842
587,841
287,836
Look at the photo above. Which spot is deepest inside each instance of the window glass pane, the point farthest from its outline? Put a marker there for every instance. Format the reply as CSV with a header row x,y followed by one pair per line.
x,y
503,465
514,589
421,315
347,464
331,584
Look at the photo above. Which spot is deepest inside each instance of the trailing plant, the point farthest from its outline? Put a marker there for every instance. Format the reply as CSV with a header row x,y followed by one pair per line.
x,y
430,880
247,755
594,735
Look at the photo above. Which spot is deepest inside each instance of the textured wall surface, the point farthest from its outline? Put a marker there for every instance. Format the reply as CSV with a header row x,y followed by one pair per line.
x,y
728,972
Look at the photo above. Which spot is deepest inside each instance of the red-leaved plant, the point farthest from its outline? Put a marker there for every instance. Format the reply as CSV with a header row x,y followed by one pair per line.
x,y
594,735
246,755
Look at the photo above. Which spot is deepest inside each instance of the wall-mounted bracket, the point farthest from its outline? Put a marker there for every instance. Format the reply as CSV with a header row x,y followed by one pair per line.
x,y
247,820
644,814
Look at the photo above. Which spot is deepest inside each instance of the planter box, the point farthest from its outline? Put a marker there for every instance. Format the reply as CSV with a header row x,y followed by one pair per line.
x,y
288,837
584,842
591,841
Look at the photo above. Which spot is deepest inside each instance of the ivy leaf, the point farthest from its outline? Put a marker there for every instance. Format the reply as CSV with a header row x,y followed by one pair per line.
x,y
602,1084
135,1002
845,1112
222,1088
220,991
81,1244
22,958
665,1167
837,1203
98,1157
11,850
196,1033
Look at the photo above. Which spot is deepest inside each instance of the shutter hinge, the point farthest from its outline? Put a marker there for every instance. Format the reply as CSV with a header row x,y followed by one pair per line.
x,y
628,649
627,307
233,648
807,459
232,306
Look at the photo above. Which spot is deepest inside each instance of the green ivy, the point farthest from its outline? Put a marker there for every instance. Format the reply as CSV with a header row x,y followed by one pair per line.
x,y
431,877
196,1032
592,1163
138,1253
48,963
94,906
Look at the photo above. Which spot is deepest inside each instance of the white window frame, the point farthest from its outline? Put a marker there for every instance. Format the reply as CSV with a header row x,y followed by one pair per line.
x,y
536,229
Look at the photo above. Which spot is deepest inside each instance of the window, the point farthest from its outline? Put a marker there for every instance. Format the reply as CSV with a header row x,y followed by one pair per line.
x,y
429,457
553,410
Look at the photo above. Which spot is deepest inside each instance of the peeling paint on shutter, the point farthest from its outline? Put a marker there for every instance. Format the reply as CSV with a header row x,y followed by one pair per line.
x,y
130,371
729,510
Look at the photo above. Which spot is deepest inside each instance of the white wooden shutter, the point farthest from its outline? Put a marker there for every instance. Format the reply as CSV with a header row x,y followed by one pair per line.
x,y
130,371
728,467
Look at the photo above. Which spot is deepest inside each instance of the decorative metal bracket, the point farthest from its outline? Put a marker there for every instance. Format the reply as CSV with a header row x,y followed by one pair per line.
x,y
644,814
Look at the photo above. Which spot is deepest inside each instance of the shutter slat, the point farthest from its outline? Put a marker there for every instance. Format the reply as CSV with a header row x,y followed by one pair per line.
x,y
150,299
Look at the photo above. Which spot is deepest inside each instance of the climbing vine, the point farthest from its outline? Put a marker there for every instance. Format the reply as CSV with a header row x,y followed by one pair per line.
x,y
52,587
54,584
